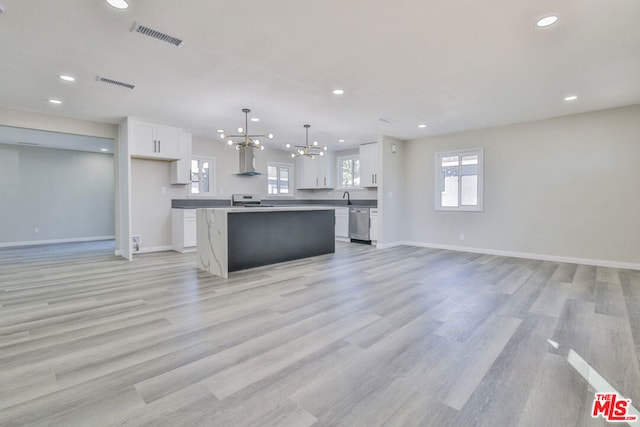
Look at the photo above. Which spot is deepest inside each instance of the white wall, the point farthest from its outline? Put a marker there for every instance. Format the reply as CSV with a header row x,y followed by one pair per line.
x,y
67,195
354,193
227,166
564,187
392,199
151,194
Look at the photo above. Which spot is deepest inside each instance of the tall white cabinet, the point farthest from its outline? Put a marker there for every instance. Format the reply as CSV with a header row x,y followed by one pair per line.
x,y
140,139
369,165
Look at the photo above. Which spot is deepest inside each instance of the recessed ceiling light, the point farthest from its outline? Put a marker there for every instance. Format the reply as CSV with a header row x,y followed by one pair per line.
x,y
255,119
67,78
104,149
55,101
118,4
220,131
546,21
341,140
571,98
422,126
338,91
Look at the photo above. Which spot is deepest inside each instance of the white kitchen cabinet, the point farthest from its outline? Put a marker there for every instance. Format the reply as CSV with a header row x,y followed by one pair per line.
x,y
369,165
183,230
181,169
150,141
373,224
318,173
342,223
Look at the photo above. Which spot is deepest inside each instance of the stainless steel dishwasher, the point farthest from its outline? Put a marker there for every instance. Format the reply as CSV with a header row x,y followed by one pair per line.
x,y
359,223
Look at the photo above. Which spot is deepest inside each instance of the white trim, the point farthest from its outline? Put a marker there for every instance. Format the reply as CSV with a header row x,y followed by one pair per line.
x,y
212,178
526,255
437,199
392,245
338,161
53,241
292,175
343,239
154,249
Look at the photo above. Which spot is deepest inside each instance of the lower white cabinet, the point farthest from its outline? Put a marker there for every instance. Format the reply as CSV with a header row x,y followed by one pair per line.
x,y
342,223
373,224
183,230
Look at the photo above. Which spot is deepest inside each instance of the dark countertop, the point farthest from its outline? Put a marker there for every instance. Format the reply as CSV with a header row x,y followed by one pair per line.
x,y
220,203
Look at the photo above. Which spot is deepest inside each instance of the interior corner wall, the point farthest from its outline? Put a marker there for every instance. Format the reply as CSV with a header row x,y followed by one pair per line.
x,y
565,187
51,195
392,192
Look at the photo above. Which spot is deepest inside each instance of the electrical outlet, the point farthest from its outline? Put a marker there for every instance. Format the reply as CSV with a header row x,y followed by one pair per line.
x,y
164,190
461,236
36,230
135,243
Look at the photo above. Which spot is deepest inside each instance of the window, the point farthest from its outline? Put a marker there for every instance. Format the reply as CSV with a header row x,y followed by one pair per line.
x,y
202,177
349,171
459,178
279,179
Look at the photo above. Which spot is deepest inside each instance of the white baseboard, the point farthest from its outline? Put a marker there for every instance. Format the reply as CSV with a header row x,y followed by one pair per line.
x,y
153,249
186,250
53,241
527,255
343,239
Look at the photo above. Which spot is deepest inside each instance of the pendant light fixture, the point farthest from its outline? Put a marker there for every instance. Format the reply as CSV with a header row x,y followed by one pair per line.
x,y
307,150
248,140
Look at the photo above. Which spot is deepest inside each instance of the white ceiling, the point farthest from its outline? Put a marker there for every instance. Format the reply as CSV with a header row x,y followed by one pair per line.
x,y
454,65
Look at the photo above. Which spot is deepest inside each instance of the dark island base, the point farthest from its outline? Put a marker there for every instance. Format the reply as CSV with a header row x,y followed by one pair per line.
x,y
262,238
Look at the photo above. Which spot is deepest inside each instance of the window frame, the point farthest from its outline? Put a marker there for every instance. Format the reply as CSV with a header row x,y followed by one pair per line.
x,y
279,165
212,177
479,151
339,160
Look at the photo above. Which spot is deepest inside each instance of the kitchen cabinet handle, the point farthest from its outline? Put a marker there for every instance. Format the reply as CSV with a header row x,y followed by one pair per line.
x,y
325,181
316,182
158,146
154,145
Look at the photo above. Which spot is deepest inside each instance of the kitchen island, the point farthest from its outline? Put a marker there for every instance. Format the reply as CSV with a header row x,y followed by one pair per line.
x,y
237,238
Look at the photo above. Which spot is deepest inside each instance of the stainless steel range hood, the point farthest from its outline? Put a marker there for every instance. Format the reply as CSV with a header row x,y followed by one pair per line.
x,y
247,162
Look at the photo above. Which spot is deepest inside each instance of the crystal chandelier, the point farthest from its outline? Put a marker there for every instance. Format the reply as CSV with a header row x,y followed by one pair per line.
x,y
307,150
247,139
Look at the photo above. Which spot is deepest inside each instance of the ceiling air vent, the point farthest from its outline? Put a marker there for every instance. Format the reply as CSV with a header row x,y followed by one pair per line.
x,y
115,82
157,35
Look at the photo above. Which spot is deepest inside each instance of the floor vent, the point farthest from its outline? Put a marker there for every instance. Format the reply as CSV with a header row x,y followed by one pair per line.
x,y
115,82
157,35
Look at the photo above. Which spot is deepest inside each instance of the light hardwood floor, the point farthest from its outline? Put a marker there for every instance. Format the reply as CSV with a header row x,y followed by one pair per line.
x,y
363,337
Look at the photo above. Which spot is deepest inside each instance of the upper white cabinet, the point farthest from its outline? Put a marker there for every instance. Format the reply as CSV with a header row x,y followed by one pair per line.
x,y
150,141
369,165
318,173
181,169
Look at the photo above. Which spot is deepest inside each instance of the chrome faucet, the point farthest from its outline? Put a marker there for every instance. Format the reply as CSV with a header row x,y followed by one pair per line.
x,y
346,193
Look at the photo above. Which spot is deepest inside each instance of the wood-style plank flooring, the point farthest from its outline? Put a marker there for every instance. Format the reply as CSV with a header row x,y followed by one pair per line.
x,y
364,337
